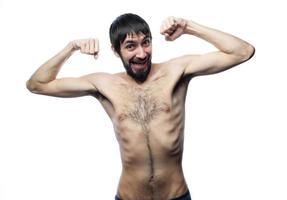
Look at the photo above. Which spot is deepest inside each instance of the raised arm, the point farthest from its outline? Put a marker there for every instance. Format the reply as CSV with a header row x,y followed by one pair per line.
x,y
44,81
232,50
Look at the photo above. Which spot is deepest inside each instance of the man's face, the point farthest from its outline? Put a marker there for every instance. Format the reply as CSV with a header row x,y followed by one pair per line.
x,y
135,53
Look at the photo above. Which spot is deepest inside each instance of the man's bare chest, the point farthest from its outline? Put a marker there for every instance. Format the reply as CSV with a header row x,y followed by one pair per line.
x,y
141,105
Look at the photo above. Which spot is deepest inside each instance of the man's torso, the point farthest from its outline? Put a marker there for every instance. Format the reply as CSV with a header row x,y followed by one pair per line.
x,y
148,120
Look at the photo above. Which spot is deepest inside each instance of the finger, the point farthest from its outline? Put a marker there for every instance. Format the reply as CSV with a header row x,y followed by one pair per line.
x,y
171,21
172,25
97,46
176,34
170,31
96,56
87,46
167,37
82,44
162,27
172,37
97,49
167,28
161,30
92,46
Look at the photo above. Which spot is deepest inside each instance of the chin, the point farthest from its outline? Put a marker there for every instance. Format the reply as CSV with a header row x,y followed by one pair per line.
x,y
136,71
140,76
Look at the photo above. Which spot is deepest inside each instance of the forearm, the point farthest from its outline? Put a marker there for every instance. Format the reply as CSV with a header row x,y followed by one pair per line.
x,y
225,42
49,70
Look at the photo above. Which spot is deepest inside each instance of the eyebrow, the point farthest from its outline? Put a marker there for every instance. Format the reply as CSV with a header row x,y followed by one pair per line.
x,y
131,41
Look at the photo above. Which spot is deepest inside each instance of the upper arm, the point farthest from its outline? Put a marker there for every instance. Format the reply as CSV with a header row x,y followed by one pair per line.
x,y
67,87
211,63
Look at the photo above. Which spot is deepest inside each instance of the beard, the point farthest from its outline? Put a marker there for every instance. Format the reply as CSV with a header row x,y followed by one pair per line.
x,y
138,69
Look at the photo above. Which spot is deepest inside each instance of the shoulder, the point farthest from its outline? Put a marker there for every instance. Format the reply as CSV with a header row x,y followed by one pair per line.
x,y
106,84
101,80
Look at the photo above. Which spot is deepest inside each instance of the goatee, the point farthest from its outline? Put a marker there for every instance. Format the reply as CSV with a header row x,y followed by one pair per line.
x,y
140,74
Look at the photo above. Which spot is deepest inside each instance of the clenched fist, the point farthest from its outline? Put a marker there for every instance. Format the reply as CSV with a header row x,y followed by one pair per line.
x,y
172,28
87,46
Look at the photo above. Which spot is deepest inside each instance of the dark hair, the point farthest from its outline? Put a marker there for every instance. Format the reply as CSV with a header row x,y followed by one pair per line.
x,y
126,24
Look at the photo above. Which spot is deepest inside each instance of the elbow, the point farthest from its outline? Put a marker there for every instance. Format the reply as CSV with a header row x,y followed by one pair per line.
x,y
249,52
31,86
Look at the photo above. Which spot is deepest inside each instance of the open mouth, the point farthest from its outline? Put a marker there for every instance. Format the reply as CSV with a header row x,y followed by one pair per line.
x,y
139,65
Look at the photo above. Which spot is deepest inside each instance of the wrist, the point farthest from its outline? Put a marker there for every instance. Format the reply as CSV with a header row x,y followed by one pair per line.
x,y
191,28
72,46
68,50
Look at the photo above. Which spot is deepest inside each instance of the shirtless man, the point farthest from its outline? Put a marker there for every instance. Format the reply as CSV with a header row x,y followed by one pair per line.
x,y
147,102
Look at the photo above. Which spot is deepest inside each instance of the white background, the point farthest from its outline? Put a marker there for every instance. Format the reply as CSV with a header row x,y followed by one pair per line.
x,y
65,148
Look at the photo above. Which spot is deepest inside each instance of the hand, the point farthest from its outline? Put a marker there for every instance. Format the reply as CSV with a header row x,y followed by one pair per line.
x,y
87,46
172,28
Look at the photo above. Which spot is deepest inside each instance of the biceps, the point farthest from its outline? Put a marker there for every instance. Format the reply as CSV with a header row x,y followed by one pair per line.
x,y
210,63
67,87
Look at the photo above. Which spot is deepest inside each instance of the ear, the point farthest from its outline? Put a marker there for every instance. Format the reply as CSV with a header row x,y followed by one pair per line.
x,y
115,52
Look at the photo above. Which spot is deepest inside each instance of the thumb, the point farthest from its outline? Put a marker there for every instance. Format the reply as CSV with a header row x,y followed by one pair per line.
x,y
96,56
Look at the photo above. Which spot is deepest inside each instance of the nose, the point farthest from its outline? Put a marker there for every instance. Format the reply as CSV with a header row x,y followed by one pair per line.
x,y
141,53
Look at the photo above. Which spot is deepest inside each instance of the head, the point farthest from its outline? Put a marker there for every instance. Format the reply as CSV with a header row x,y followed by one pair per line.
x,y
130,37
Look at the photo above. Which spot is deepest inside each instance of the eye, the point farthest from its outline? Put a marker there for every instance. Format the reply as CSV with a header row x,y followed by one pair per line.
x,y
146,42
130,46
